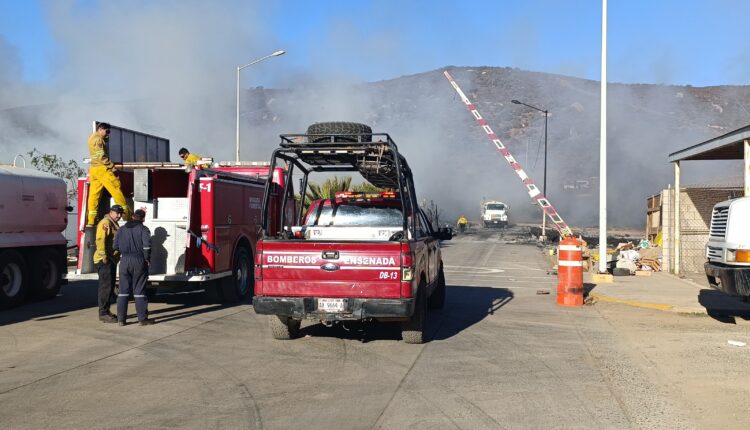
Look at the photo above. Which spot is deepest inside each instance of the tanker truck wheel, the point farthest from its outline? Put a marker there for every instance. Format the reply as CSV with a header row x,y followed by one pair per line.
x,y
47,273
13,282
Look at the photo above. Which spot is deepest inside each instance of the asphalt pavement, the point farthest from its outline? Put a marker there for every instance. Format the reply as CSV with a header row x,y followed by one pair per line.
x,y
502,355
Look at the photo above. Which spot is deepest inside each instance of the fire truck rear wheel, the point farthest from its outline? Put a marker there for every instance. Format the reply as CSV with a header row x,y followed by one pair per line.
x,y
414,330
437,299
341,128
284,328
239,286
13,279
47,273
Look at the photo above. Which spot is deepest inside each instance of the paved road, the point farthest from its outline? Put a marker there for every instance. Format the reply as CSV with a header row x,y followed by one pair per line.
x,y
502,356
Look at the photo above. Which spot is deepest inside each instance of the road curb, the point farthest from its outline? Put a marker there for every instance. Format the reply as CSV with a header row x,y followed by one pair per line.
x,y
634,303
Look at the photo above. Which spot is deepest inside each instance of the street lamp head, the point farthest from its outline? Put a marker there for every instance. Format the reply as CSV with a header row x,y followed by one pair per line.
x,y
516,102
279,52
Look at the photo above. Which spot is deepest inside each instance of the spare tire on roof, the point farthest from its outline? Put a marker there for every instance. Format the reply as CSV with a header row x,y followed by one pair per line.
x,y
346,131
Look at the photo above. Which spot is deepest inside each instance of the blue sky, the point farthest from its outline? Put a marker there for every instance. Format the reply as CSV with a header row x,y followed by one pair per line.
x,y
676,42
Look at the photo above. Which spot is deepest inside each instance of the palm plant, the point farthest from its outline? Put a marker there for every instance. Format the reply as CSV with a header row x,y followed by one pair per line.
x,y
326,190
329,188
365,187
332,185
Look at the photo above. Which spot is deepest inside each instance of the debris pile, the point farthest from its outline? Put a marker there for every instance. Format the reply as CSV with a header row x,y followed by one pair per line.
x,y
629,259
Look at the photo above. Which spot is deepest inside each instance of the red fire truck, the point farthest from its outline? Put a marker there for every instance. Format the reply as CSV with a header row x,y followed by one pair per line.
x,y
356,256
204,223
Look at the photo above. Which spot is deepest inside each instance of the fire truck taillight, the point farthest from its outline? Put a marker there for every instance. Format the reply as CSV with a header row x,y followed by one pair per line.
x,y
407,266
259,265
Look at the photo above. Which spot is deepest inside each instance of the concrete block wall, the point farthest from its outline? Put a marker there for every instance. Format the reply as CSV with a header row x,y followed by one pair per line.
x,y
695,219
667,230
696,205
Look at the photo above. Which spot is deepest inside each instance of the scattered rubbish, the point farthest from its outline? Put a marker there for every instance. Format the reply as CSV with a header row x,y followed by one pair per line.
x,y
629,254
625,266
631,258
737,343
542,292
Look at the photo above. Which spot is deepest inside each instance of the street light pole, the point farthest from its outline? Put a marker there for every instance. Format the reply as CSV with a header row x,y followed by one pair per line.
x,y
237,131
603,149
544,183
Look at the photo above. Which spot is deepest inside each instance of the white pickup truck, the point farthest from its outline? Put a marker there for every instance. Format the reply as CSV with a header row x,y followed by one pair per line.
x,y
728,248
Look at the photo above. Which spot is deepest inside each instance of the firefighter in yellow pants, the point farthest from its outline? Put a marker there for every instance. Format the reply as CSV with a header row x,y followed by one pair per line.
x,y
101,175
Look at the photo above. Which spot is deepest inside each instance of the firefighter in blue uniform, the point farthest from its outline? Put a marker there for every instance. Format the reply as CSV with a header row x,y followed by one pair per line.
x,y
133,241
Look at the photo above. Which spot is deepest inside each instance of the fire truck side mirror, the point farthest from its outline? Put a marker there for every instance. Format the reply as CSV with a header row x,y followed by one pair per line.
x,y
444,233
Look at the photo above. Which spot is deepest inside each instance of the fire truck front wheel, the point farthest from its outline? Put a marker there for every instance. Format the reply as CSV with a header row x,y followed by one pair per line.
x,y
13,279
239,285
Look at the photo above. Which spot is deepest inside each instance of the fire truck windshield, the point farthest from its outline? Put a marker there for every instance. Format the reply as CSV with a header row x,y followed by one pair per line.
x,y
495,207
352,214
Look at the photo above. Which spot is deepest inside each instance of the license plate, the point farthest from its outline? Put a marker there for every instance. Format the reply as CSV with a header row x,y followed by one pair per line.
x,y
332,305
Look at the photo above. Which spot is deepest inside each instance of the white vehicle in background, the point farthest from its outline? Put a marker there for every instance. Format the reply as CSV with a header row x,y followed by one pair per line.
x,y
495,214
728,248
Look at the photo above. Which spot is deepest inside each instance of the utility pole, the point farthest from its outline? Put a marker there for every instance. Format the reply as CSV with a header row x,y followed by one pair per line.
x,y
544,181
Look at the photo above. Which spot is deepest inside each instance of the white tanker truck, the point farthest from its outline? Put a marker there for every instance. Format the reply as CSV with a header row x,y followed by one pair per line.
x,y
33,217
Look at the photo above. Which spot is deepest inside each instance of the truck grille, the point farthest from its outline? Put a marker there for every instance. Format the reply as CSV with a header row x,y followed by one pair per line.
x,y
719,222
713,252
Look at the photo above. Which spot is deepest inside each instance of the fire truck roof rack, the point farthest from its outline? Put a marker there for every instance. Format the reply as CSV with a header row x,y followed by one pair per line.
x,y
374,155
374,158
149,165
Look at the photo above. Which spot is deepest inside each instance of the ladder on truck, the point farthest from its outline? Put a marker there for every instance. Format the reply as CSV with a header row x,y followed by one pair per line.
x,y
534,192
